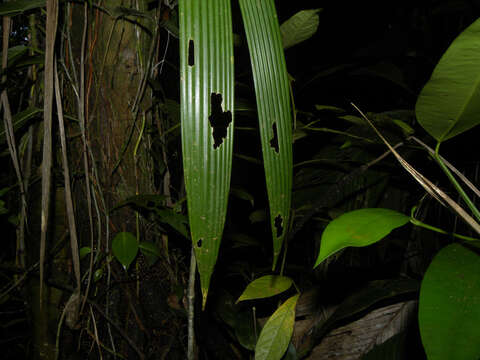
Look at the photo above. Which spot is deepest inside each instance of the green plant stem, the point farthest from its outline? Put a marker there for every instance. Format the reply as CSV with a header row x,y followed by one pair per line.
x,y
440,231
455,183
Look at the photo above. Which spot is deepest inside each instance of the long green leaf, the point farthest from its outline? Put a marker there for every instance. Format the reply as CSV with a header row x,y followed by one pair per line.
x,y
275,336
12,8
20,120
449,307
449,103
206,82
274,112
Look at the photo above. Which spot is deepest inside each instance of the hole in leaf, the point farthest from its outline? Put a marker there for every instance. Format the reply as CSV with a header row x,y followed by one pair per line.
x,y
274,141
191,53
199,243
219,119
279,225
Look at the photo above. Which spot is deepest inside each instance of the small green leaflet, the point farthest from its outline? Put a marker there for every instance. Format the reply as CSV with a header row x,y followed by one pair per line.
x,y
275,336
358,228
125,248
266,286
299,27
84,251
449,306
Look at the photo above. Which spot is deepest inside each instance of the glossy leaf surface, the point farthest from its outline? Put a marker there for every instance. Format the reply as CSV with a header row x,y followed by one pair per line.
x,y
358,228
275,335
449,308
274,112
266,286
449,103
206,106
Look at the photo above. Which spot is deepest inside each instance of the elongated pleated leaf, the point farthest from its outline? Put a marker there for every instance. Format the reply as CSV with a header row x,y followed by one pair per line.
x,y
266,286
358,228
449,103
274,113
275,336
206,83
16,7
449,307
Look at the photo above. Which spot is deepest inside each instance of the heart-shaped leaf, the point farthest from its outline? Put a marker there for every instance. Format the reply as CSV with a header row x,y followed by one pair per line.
x,y
275,335
358,228
125,248
449,308
266,286
449,103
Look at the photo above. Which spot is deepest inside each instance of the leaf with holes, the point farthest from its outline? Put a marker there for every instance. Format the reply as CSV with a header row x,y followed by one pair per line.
x,y
266,286
275,335
206,108
449,103
449,306
125,248
358,228
299,27
274,111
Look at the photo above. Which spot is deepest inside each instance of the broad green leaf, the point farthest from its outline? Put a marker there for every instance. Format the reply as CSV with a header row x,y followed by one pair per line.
x,y
242,194
125,248
266,286
358,228
16,7
3,209
150,251
449,103
257,216
97,275
84,251
274,110
449,305
151,248
275,335
175,220
245,330
206,107
15,53
147,203
299,27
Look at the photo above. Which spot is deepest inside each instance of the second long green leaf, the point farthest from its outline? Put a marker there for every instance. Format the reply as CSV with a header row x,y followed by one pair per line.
x,y
274,111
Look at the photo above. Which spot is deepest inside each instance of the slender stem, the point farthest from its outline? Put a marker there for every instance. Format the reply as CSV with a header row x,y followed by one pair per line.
x,y
455,183
419,223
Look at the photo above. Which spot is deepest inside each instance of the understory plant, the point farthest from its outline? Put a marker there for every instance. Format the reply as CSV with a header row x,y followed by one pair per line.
x,y
121,169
